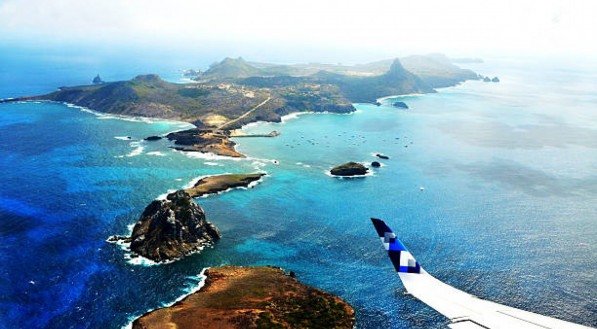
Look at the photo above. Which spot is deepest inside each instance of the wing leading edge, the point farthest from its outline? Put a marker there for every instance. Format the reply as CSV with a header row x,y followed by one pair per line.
x,y
462,309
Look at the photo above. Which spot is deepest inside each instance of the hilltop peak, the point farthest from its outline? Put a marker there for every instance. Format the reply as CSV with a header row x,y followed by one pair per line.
x,y
231,68
148,78
396,69
231,60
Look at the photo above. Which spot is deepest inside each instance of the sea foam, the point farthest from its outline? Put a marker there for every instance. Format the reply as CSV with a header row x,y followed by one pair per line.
x,y
195,284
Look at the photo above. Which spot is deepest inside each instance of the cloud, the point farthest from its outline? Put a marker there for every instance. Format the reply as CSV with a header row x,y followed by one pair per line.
x,y
462,26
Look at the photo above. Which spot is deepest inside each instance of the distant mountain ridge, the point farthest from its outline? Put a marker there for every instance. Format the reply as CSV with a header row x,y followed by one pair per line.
x,y
435,70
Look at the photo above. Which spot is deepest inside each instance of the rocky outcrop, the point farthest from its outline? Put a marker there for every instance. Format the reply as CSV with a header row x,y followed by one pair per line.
x,y
219,183
205,141
153,138
400,105
375,164
252,297
495,79
381,156
97,80
349,169
172,228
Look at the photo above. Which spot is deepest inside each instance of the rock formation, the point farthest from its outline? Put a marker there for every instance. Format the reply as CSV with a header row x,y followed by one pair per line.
x,y
172,228
349,169
400,105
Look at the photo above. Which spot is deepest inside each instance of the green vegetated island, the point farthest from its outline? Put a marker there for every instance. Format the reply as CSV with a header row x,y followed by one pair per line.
x,y
234,92
228,95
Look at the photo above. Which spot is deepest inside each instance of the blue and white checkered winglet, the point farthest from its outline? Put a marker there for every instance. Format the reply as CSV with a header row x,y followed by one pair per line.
x,y
401,258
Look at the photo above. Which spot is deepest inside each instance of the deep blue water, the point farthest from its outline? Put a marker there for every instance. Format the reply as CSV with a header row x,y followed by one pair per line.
x,y
507,211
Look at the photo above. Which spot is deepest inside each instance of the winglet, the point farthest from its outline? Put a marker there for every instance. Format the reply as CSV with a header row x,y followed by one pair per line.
x,y
401,258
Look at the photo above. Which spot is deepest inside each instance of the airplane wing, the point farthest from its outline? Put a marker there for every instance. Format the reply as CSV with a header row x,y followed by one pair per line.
x,y
464,311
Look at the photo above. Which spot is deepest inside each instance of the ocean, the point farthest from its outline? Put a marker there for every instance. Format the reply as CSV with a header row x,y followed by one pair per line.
x,y
492,186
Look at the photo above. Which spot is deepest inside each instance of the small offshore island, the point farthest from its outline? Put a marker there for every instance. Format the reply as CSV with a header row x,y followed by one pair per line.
x,y
252,297
349,169
219,183
170,229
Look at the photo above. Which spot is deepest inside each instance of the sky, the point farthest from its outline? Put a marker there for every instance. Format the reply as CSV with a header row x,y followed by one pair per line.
x,y
311,29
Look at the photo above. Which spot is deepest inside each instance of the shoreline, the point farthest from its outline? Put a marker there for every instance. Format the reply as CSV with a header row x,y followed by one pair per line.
x,y
201,277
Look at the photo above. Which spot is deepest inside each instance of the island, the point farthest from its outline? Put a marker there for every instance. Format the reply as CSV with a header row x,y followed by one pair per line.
x,y
349,169
170,229
205,141
400,105
219,183
252,297
234,92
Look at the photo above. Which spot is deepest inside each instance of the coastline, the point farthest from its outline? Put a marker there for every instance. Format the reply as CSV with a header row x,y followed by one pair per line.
x,y
200,278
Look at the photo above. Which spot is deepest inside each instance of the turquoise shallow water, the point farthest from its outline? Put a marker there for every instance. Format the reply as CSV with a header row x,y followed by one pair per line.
x,y
507,211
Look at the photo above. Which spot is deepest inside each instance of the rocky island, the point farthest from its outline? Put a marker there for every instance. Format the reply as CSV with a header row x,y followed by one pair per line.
x,y
252,297
400,105
219,183
349,169
170,229
205,141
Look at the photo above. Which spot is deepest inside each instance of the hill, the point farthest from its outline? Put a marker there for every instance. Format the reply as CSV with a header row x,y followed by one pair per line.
x,y
230,68
203,104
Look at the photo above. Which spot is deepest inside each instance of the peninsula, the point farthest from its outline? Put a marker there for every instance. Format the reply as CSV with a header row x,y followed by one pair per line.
x,y
252,297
